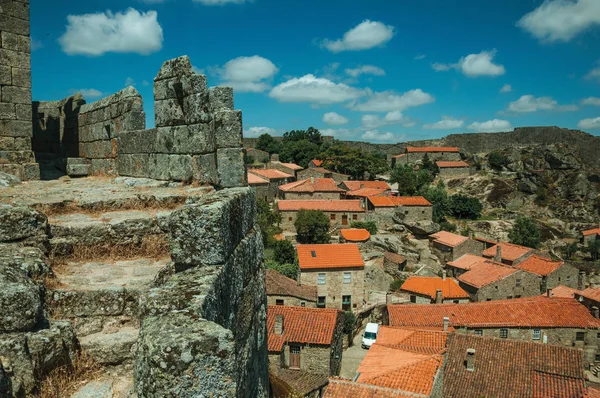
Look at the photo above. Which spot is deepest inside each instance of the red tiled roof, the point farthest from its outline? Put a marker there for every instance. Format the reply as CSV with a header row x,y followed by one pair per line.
x,y
354,185
595,231
314,185
510,251
523,312
351,206
486,273
591,393
254,179
355,234
591,293
428,285
448,239
394,257
339,388
323,170
301,325
468,262
446,165
393,201
484,240
298,381
292,166
411,149
366,192
540,265
281,285
562,291
418,341
317,162
271,174
511,368
335,255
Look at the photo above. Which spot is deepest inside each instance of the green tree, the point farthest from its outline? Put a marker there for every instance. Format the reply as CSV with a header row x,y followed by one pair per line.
x,y
465,207
448,226
268,144
267,220
593,248
440,200
370,226
395,285
497,160
357,164
311,134
248,159
409,180
349,321
289,270
284,252
299,151
569,250
525,232
312,226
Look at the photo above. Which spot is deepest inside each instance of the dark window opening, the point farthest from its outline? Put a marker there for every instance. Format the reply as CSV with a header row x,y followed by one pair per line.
x,y
579,336
332,217
503,333
107,131
42,120
346,303
321,302
413,298
278,302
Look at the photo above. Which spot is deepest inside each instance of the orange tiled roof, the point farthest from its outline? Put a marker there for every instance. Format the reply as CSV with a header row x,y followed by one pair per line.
x,y
301,325
355,234
446,165
335,255
523,312
448,239
314,185
411,149
595,231
287,381
428,285
562,291
486,273
366,192
393,201
254,179
317,162
468,261
271,174
591,293
419,341
510,251
352,206
591,393
280,285
540,265
512,368
339,388
292,166
394,257
355,185
323,170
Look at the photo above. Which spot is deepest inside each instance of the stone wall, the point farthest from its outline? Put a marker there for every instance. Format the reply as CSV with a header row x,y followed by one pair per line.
x,y
447,253
291,301
415,157
16,156
567,275
335,219
454,172
262,192
334,287
311,195
519,284
198,134
415,213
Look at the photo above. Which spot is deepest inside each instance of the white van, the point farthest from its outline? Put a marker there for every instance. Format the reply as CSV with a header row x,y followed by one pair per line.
x,y
370,335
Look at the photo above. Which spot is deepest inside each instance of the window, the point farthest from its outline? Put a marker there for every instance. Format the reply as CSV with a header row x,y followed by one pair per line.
x,y
289,218
456,301
503,333
597,357
518,282
344,220
517,296
537,333
347,277
568,278
496,287
321,279
295,356
346,303
598,335
107,131
488,300
278,302
321,302
332,217
413,298
302,304
508,297
405,211
579,336
478,332
559,278
355,217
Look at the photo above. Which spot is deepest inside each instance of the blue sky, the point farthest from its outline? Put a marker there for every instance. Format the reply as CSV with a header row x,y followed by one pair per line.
x,y
376,70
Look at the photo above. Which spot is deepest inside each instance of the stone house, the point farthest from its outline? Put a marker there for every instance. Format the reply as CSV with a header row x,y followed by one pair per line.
x,y
393,262
311,188
337,270
275,178
257,155
341,213
411,208
434,290
289,168
591,235
364,193
416,154
495,281
282,290
559,321
356,185
320,172
354,235
590,298
464,263
508,253
453,169
449,247
261,186
487,243
315,163
305,339
550,273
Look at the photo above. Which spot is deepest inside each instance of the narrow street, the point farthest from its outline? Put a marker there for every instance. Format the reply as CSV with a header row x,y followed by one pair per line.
x,y
352,357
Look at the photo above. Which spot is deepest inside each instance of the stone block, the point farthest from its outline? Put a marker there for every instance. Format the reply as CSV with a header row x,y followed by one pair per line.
x,y
15,128
11,41
31,171
197,109
20,301
14,169
103,166
193,139
111,348
16,359
228,128
139,141
17,156
168,113
14,59
221,97
7,143
30,260
164,140
175,67
113,301
133,165
52,347
17,9
12,24
168,89
16,95
24,112
78,167
231,169
5,75
22,144
21,77
97,149
180,168
158,166
205,168
193,84
7,111
134,120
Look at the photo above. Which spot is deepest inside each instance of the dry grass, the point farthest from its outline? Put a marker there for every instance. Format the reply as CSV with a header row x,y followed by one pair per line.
x,y
65,380
97,209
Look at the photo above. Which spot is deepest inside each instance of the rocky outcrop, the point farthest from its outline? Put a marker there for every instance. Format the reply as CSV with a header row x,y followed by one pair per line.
x,y
20,300
23,225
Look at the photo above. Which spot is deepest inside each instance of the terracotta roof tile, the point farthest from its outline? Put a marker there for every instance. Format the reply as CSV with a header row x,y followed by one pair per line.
x,y
485,274
562,291
299,381
280,285
591,293
512,368
418,341
323,170
540,265
339,388
591,393
312,185
468,262
336,255
595,231
254,179
292,166
412,149
302,325
484,240
355,234
446,165
354,185
366,192
393,201
394,257
428,285
448,239
317,162
352,206
271,174
510,252
524,312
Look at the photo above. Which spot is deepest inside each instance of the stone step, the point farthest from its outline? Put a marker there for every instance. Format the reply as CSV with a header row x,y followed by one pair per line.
x,y
111,349
107,386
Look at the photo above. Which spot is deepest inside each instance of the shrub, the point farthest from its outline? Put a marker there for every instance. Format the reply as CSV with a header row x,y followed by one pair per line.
x,y
284,252
349,321
497,160
525,232
465,207
395,285
289,270
448,226
312,226
541,198
370,226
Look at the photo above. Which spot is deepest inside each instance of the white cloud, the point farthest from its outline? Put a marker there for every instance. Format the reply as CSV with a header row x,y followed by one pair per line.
x,y
340,134
561,20
394,117
248,74
88,92
388,101
221,2
474,65
197,70
375,135
420,56
258,131
594,74
36,44
365,70
366,35
529,103
507,88
97,34
591,101
129,82
592,123
447,123
334,119
145,83
491,126
309,88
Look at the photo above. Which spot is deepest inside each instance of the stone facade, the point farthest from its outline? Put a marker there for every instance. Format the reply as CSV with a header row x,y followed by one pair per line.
x,y
416,157
449,253
16,156
518,284
290,301
262,191
319,172
257,155
310,195
333,290
566,275
417,298
415,213
454,172
337,219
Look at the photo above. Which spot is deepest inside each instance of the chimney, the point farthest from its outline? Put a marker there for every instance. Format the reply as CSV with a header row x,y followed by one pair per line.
x,y
274,157
362,185
446,323
438,296
312,180
278,327
549,292
498,256
596,312
581,280
470,359
443,274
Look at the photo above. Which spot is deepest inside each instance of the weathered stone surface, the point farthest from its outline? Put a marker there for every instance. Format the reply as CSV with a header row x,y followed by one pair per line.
x,y
17,363
98,149
30,260
175,67
231,168
11,41
95,389
420,227
14,59
133,165
121,96
19,299
159,166
103,166
205,168
134,120
17,156
193,84
196,108
21,77
18,223
221,97
7,111
5,384
180,168
164,139
15,128
24,112
8,180
14,25
31,171
170,88
16,95
17,9
5,75
140,141
78,170
111,348
168,113
106,302
193,139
